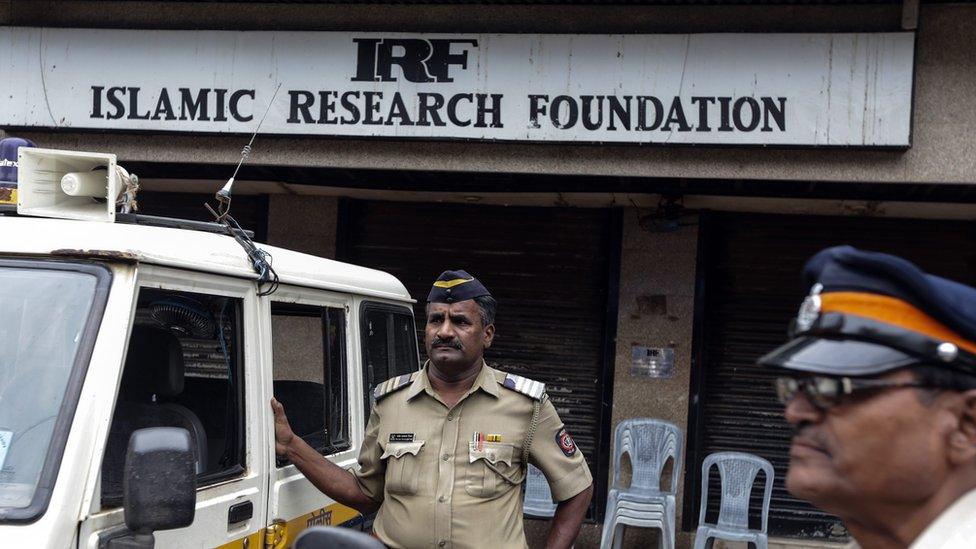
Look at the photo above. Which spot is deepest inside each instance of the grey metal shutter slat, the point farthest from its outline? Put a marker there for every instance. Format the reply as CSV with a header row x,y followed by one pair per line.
x,y
753,291
250,211
546,266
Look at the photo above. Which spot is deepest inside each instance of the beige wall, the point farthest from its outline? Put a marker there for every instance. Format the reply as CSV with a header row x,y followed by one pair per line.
x,y
945,82
303,223
655,268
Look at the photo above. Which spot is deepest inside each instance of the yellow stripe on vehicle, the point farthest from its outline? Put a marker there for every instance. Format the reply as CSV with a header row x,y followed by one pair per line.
x,y
333,515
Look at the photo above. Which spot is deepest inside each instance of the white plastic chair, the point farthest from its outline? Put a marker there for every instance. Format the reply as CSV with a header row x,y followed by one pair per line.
x,y
738,472
538,498
649,443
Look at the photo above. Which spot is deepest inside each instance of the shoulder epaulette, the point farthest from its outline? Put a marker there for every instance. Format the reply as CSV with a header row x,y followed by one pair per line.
x,y
392,385
528,387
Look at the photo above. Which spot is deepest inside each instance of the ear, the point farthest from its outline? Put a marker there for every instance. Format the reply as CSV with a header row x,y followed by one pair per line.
x,y
489,335
961,446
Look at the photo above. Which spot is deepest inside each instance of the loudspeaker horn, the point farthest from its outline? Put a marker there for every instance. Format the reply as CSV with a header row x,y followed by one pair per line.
x,y
67,184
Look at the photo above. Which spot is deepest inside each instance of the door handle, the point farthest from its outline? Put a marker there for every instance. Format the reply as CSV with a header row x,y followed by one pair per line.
x,y
239,512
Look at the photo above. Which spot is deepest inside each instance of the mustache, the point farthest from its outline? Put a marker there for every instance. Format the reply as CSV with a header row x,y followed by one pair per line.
x,y
454,343
806,434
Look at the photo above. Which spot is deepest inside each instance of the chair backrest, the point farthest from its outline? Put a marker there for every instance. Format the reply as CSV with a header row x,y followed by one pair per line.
x,y
737,471
331,537
538,497
649,443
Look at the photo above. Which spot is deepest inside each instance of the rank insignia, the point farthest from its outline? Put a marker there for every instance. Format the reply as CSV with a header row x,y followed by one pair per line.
x,y
565,442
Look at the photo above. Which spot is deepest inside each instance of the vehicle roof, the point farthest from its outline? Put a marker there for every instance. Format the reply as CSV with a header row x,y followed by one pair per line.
x,y
196,250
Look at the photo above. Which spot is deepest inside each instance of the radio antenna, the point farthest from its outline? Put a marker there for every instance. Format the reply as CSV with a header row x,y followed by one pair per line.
x,y
260,259
223,196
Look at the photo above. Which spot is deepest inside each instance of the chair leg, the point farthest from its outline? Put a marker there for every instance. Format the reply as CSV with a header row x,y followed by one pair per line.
x,y
618,536
606,537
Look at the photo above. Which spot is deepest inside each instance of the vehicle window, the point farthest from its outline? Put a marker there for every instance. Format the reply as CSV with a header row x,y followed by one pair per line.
x,y
309,351
43,318
389,344
183,368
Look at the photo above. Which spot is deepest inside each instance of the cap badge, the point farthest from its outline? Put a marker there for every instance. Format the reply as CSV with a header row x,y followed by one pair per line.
x,y
809,309
947,351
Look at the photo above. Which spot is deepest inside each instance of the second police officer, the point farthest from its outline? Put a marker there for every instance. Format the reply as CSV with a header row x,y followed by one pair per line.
x,y
446,448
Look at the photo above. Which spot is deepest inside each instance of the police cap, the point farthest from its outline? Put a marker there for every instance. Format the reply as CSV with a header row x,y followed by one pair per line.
x,y
454,286
869,313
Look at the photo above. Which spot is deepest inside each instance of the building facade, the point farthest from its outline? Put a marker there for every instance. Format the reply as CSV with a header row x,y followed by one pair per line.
x,y
640,273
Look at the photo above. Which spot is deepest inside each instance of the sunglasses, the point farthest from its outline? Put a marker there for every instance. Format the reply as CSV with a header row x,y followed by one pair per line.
x,y
825,392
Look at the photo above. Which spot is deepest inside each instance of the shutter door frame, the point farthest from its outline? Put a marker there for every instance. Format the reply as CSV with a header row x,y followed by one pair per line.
x,y
800,236
602,319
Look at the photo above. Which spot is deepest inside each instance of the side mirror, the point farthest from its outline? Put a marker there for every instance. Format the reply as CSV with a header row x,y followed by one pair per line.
x,y
159,487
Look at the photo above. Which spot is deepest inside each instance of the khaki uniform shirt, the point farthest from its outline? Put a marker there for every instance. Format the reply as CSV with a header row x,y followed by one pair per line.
x,y
437,489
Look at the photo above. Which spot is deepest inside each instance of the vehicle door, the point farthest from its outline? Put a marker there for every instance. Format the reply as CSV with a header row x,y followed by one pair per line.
x,y
314,375
209,383
388,338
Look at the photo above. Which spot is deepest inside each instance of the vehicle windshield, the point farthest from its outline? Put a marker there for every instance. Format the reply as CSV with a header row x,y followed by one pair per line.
x,y
43,314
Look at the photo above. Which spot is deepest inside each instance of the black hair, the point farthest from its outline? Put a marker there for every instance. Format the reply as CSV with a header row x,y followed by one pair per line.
x,y
487,305
941,378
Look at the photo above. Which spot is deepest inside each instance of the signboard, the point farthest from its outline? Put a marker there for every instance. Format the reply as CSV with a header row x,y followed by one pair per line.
x,y
715,89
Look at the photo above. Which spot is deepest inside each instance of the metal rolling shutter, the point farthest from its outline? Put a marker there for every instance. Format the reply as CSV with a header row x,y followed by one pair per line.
x,y
752,291
548,268
251,211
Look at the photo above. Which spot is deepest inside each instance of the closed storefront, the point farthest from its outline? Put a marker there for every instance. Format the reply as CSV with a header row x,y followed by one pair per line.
x,y
549,268
629,181
751,270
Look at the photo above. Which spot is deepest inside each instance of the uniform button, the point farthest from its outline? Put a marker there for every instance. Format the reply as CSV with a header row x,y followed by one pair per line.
x,y
446,457
441,543
450,417
442,499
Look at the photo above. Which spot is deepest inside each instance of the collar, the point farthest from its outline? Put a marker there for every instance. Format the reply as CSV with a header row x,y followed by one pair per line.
x,y
955,528
485,381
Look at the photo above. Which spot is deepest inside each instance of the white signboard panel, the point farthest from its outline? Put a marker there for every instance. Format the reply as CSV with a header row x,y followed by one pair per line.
x,y
717,89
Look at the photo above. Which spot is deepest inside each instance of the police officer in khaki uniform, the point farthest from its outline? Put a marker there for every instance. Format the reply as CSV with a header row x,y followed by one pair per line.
x,y
446,448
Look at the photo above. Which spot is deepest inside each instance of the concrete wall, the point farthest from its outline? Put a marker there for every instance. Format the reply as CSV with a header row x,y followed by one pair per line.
x,y
656,309
945,82
303,223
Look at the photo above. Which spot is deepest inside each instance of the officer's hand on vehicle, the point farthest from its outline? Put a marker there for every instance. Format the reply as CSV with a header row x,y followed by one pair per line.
x,y
283,432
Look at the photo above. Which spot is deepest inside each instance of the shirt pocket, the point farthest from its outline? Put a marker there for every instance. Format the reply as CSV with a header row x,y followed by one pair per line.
x,y
402,466
487,463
